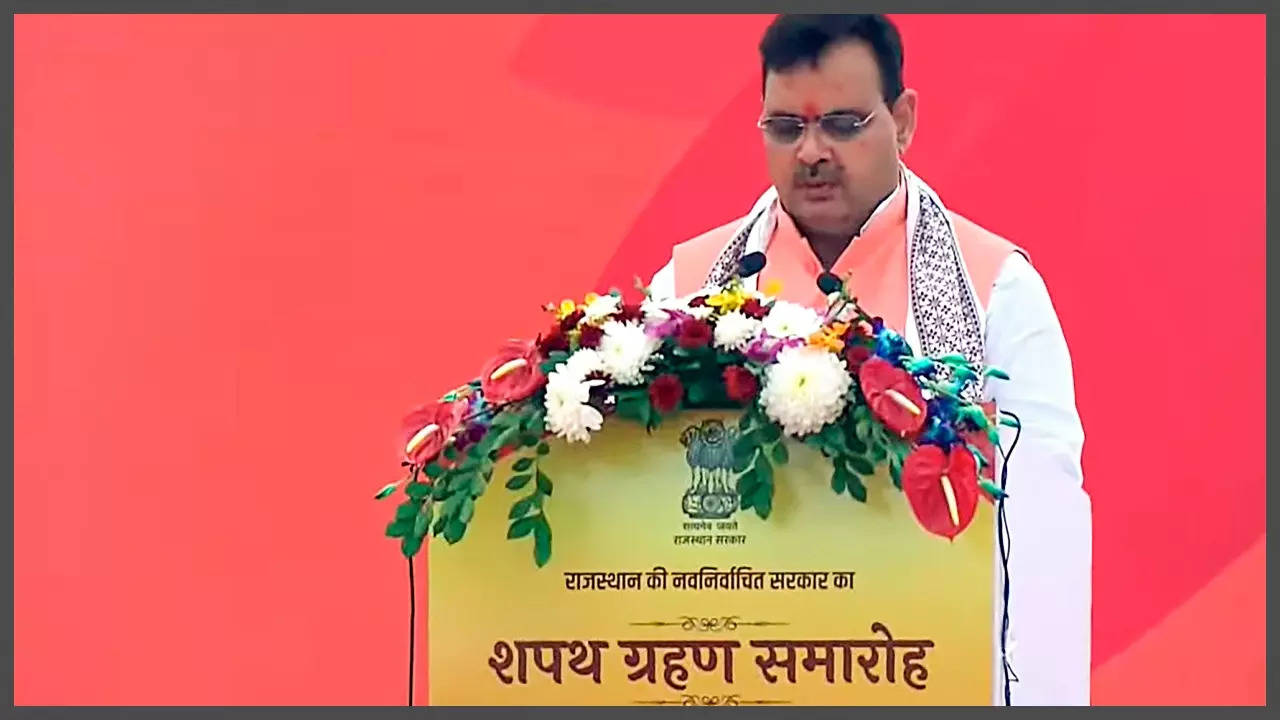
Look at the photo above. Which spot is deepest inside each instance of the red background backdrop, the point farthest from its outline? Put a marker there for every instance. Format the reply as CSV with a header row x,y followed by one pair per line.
x,y
245,245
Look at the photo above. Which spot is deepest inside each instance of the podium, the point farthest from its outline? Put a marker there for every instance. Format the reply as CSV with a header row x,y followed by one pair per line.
x,y
660,588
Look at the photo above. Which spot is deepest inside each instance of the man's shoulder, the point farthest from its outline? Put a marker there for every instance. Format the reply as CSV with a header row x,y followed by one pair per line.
x,y
975,238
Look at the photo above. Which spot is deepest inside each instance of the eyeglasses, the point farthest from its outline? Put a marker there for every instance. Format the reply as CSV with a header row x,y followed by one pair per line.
x,y
838,126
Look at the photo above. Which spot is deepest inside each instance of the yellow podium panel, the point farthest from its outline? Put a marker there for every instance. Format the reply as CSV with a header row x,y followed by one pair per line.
x,y
660,591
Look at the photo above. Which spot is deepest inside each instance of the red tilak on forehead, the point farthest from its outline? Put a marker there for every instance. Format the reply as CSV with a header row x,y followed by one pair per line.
x,y
810,109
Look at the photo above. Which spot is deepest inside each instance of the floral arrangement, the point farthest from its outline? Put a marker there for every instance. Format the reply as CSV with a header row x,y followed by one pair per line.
x,y
839,381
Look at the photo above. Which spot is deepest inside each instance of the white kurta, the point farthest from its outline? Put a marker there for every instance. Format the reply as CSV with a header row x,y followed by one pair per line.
x,y
1048,512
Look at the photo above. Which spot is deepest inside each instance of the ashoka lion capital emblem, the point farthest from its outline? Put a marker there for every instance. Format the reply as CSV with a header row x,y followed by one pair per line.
x,y
712,493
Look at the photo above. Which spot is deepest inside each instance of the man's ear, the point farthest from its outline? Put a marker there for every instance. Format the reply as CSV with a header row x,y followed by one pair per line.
x,y
904,118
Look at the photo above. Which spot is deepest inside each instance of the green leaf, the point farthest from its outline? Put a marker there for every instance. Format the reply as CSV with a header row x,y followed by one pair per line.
x,y
417,490
528,439
770,433
518,481
995,373
544,483
541,541
895,473
762,499
422,522
746,483
433,470
780,454
454,530
543,449
993,435
1008,421
857,490
478,486
399,528
860,465
521,527
745,445
764,471
410,545
878,454
520,508
839,480
467,510
698,393
992,489
450,453
440,523
953,359
522,464
744,462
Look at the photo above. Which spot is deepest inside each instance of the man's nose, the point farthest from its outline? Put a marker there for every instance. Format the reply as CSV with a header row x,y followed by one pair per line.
x,y
812,148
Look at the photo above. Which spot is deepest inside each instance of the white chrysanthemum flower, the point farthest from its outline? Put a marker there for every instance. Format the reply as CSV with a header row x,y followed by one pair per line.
x,y
601,308
734,331
702,312
573,421
786,319
655,311
582,363
624,349
805,389
568,414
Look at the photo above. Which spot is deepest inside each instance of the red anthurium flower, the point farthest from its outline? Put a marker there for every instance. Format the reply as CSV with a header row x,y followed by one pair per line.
x,y
942,488
740,385
892,395
427,430
856,355
665,393
513,374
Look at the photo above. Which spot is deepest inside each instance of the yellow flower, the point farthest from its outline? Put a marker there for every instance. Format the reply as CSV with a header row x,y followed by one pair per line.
x,y
728,300
830,338
773,288
564,310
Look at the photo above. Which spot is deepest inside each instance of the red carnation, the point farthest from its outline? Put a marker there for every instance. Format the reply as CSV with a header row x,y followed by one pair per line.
x,y
753,308
892,394
856,355
571,320
695,334
942,489
630,311
739,384
589,336
553,341
698,301
665,393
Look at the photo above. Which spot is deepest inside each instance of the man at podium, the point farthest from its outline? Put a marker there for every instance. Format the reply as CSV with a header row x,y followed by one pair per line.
x,y
835,122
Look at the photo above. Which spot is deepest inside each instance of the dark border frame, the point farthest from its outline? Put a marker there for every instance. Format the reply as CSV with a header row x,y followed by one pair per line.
x,y
537,6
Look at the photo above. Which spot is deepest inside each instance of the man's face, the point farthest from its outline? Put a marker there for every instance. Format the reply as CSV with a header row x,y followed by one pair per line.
x,y
827,184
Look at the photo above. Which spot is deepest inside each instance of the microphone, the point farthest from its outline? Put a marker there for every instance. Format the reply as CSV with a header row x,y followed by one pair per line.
x,y
829,282
750,264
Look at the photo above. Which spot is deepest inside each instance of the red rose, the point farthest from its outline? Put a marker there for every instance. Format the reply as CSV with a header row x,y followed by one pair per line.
x,y
695,334
856,355
892,394
571,320
753,308
426,430
513,374
665,393
589,336
553,341
739,384
942,489
630,311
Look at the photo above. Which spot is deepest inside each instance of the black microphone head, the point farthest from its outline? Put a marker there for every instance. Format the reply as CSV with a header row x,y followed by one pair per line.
x,y
829,283
750,264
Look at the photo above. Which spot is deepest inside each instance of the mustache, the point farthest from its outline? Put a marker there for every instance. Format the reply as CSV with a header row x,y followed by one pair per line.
x,y
820,173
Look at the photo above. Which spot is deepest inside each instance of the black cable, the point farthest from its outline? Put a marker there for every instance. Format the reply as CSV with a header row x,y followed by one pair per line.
x,y
1006,547
413,608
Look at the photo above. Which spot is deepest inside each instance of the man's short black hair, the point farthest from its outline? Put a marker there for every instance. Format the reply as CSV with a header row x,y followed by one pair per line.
x,y
794,39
